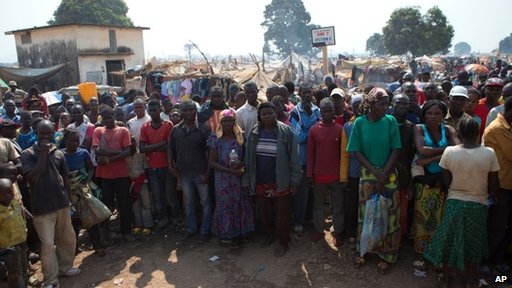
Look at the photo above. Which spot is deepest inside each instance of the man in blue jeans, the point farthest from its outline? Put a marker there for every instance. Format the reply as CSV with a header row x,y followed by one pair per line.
x,y
188,160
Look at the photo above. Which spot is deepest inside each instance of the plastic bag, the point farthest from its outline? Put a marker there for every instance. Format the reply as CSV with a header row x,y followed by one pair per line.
x,y
375,226
90,209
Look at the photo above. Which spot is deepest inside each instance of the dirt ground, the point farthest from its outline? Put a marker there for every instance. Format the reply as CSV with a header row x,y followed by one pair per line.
x,y
157,261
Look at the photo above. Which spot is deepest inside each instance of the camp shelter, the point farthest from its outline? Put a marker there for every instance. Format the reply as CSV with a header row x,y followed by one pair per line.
x,y
254,74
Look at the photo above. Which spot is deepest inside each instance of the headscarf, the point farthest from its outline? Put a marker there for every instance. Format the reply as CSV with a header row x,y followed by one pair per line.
x,y
230,112
375,95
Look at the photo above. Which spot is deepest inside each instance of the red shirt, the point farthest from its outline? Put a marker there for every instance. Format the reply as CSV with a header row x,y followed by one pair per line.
x,y
117,138
481,110
150,135
324,152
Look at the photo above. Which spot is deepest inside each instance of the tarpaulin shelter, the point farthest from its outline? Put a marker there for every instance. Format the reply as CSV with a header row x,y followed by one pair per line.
x,y
30,74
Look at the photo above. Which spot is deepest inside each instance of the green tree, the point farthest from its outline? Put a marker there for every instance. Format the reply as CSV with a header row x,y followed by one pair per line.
x,y
505,45
408,31
108,12
288,28
375,44
462,48
438,33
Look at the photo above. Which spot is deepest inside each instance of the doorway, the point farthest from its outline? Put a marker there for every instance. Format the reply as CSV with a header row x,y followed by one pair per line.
x,y
113,66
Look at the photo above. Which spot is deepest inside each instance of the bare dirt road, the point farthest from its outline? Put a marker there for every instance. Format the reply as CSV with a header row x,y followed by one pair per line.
x,y
157,261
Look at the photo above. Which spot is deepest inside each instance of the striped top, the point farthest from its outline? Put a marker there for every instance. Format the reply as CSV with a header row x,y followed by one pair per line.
x,y
266,155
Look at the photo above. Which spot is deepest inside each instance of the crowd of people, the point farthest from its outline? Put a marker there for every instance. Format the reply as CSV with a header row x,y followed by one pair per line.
x,y
436,159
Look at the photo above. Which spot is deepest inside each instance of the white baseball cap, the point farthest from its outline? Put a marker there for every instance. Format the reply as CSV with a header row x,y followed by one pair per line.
x,y
459,91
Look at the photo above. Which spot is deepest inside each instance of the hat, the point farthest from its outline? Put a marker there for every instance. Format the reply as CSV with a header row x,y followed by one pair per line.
x,y
13,83
494,81
338,91
356,98
459,91
7,122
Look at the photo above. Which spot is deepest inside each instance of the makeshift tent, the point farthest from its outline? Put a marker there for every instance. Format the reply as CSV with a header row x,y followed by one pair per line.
x,y
30,74
256,75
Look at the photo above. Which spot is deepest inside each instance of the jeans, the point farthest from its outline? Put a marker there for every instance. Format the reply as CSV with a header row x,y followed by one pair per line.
x,y
188,183
143,216
163,194
498,226
300,200
332,189
58,243
117,191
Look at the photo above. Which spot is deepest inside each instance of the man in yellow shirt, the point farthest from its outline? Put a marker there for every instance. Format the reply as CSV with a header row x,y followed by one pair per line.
x,y
498,136
14,234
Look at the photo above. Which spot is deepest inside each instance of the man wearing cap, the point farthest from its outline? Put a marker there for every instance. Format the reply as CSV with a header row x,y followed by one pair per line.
x,y
341,115
505,93
458,101
16,93
493,87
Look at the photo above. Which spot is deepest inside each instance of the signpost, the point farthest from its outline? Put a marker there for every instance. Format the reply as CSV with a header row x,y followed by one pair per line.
x,y
323,37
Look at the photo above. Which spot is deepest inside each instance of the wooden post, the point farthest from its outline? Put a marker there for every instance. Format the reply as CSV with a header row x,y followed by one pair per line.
x,y
324,57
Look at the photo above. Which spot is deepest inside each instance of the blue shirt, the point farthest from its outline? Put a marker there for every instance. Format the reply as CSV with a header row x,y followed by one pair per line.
x,y
301,122
77,160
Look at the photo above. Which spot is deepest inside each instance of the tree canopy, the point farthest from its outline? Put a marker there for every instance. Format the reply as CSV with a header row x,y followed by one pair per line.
x,y
107,12
288,28
505,45
375,44
462,48
409,31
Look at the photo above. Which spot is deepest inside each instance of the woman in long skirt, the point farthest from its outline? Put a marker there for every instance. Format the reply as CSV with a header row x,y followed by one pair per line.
x,y
375,139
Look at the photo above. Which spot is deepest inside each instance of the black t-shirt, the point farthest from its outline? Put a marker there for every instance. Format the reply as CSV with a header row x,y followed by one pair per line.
x,y
47,192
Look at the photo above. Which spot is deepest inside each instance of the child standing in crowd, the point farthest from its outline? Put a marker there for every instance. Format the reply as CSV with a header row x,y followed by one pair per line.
x,y
14,235
26,135
81,171
471,171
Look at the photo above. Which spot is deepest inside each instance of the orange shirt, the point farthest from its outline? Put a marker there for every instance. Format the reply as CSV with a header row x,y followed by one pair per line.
x,y
150,135
117,138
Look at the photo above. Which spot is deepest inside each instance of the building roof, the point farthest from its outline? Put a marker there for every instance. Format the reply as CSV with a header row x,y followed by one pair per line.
x,y
73,24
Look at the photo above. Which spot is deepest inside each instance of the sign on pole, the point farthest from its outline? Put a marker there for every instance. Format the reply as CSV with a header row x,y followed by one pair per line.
x,y
323,36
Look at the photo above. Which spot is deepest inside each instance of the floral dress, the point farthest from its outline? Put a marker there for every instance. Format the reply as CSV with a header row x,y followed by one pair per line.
x,y
233,216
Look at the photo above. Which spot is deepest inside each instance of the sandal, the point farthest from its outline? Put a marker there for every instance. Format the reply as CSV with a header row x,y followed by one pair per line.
x,y
383,267
359,262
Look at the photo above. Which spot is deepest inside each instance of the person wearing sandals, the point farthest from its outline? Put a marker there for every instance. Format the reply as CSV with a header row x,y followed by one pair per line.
x,y
471,171
375,139
233,217
273,171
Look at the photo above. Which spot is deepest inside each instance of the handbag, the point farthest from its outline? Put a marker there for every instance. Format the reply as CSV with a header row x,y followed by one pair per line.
x,y
90,209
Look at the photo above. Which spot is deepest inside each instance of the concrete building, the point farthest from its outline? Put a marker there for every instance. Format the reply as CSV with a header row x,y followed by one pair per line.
x,y
91,51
